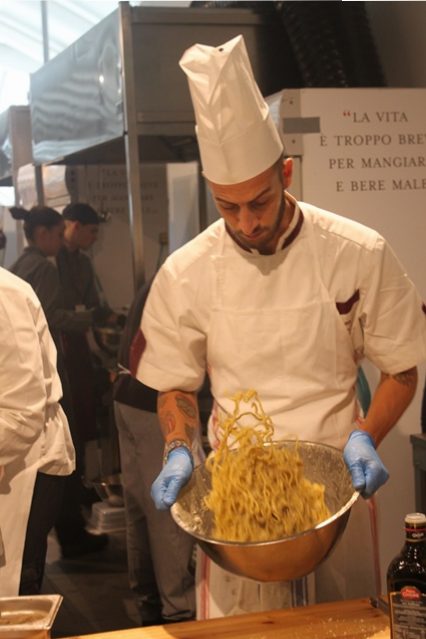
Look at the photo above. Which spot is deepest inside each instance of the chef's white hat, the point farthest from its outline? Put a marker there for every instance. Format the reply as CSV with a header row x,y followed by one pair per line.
x,y
236,135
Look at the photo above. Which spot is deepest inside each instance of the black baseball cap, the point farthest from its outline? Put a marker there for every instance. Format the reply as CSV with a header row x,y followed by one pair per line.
x,y
80,212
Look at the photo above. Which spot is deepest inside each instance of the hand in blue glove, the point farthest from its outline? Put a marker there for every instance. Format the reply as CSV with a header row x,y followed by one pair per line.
x,y
175,474
367,470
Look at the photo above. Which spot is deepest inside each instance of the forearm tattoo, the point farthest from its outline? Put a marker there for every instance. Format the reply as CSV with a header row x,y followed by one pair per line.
x,y
169,422
189,430
178,414
186,406
406,378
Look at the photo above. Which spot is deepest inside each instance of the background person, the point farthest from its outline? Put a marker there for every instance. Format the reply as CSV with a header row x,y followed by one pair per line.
x,y
81,292
44,229
283,297
36,450
159,553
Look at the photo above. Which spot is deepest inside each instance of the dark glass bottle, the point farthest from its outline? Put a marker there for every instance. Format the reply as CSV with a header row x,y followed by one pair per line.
x,y
406,582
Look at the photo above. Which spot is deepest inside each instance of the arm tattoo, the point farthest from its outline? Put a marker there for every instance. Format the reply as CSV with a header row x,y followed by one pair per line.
x,y
186,406
189,431
169,422
406,378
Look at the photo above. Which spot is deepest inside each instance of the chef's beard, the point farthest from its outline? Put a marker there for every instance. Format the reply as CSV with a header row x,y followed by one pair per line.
x,y
264,243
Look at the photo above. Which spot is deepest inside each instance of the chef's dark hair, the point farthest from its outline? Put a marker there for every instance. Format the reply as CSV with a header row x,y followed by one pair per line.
x,y
80,212
34,217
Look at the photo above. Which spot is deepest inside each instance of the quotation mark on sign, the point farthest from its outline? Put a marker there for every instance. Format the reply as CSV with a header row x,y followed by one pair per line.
x,y
346,114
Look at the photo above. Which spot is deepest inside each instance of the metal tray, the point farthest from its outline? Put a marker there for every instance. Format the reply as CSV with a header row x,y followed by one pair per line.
x,y
29,617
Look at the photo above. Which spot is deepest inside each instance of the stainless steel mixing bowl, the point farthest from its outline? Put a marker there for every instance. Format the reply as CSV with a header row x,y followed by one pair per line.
x,y
281,559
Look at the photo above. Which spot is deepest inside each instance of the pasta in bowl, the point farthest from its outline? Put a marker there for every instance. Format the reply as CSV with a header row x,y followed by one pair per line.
x,y
290,556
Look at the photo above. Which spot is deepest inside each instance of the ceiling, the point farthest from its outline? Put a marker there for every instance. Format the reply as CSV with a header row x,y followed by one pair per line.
x,y
21,36
21,33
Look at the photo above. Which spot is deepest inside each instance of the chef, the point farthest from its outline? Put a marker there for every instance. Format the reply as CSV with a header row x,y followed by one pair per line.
x,y
287,299
36,449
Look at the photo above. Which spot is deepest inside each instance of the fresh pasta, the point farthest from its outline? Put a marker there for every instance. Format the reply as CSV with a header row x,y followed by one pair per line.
x,y
258,490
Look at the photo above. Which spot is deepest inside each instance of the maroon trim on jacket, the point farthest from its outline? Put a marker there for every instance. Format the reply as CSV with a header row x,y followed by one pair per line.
x,y
288,240
295,232
346,307
137,348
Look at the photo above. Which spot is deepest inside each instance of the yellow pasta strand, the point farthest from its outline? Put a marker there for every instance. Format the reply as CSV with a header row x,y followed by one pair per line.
x,y
259,492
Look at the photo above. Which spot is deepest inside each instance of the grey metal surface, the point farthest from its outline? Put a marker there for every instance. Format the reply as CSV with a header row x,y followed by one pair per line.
x,y
118,95
29,617
129,65
15,142
5,146
161,37
73,109
76,98
283,559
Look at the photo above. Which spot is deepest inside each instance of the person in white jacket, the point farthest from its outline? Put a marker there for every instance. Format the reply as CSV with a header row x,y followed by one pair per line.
x,y
36,449
284,298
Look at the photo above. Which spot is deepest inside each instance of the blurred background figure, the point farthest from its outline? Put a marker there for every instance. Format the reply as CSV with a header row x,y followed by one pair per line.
x,y
36,451
159,553
3,241
81,292
44,229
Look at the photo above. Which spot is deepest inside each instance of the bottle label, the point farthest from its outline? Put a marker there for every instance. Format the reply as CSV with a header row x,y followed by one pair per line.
x,y
408,613
415,534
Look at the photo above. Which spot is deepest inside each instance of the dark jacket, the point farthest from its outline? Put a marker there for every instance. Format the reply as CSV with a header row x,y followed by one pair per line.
x,y
127,389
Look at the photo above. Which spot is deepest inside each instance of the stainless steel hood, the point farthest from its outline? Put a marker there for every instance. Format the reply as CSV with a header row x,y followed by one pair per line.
x,y
15,142
117,95
77,98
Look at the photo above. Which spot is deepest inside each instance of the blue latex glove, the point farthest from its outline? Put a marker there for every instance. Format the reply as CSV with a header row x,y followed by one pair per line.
x,y
365,466
175,474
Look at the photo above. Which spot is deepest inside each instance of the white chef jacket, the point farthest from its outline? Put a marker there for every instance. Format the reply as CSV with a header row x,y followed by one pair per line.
x,y
334,288
34,432
294,326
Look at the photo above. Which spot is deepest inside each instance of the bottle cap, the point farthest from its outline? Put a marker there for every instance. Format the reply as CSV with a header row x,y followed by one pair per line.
x,y
415,519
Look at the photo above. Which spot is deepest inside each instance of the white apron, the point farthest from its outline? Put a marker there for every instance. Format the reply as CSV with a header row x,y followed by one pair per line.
x,y
274,328
16,492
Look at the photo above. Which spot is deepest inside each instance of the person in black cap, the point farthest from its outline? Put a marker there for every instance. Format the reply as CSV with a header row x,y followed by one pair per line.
x,y
81,292
81,287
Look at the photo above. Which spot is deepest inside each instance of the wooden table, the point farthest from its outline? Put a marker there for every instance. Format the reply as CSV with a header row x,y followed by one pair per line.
x,y
355,619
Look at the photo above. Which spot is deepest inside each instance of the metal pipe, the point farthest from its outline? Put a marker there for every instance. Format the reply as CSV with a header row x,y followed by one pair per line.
x,y
45,29
131,144
38,173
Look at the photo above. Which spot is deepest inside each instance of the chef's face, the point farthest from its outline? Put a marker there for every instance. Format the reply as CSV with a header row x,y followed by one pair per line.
x,y
254,210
